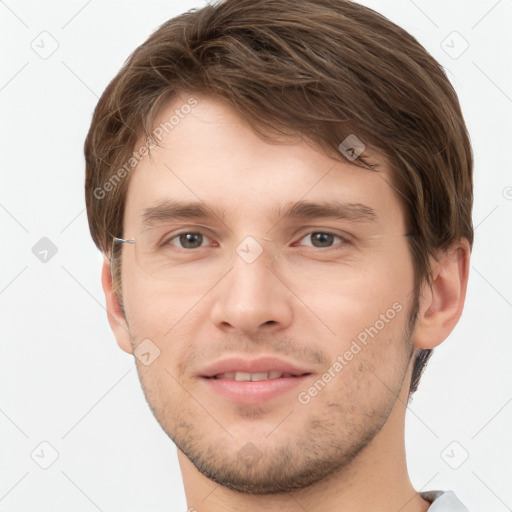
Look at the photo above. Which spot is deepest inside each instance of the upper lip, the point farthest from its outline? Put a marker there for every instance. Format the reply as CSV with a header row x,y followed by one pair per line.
x,y
258,365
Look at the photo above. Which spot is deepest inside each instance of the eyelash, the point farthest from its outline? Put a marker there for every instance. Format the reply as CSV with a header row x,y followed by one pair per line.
x,y
344,240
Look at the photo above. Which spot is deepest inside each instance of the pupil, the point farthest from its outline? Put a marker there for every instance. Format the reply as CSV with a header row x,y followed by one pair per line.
x,y
323,239
191,240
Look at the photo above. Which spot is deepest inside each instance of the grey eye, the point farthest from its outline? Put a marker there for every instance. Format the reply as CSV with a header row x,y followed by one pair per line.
x,y
320,239
189,240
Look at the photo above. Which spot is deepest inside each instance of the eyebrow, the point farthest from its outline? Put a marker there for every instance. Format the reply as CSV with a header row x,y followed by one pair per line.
x,y
332,209
168,210
176,210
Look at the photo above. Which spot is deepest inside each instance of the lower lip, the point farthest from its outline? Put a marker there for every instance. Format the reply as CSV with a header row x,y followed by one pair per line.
x,y
253,392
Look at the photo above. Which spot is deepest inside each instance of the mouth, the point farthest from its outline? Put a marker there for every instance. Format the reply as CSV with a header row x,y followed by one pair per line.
x,y
255,377
241,368
252,381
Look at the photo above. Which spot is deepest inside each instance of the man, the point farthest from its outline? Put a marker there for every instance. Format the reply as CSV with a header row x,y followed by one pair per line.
x,y
283,192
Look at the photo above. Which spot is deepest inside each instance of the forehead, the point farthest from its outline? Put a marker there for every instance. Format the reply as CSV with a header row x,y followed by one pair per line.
x,y
209,154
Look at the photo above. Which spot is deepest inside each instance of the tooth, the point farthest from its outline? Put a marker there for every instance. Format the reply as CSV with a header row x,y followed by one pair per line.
x,y
242,376
259,376
274,374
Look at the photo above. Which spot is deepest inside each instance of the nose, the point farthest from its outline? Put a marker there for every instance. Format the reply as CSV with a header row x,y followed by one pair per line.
x,y
251,297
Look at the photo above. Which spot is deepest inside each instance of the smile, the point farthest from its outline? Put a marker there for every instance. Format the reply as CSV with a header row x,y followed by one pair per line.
x,y
245,376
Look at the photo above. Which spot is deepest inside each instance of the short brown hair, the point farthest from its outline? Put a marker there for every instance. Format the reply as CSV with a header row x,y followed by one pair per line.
x,y
320,69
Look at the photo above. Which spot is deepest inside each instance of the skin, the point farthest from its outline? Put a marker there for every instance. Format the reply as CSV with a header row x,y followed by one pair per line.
x,y
344,450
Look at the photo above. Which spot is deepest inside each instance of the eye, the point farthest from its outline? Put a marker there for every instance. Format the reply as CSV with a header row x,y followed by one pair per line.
x,y
321,239
189,240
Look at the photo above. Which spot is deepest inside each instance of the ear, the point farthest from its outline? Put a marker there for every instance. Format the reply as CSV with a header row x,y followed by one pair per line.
x,y
442,301
115,314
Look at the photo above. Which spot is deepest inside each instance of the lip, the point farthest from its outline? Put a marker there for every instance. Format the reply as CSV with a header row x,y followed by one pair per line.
x,y
257,365
253,392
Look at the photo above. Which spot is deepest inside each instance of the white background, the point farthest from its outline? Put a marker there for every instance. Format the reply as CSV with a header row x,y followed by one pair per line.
x,y
63,379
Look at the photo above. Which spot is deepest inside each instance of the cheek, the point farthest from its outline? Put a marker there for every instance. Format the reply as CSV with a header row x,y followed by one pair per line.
x,y
169,321
153,307
362,317
367,365
351,298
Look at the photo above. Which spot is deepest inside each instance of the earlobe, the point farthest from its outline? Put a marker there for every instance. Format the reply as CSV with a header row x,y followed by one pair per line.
x,y
442,301
115,314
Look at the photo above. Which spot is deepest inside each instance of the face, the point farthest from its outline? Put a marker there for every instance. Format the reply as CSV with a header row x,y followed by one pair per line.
x,y
253,258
